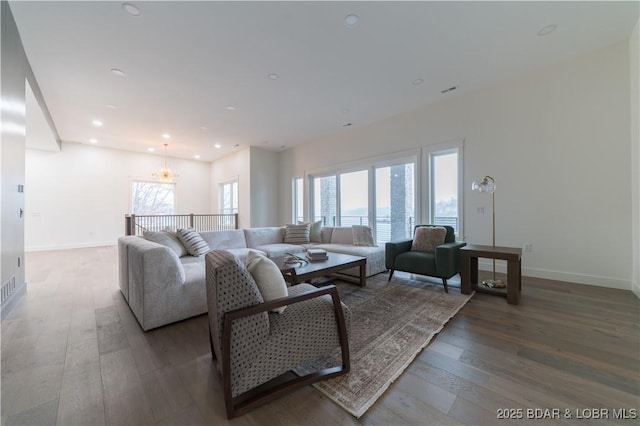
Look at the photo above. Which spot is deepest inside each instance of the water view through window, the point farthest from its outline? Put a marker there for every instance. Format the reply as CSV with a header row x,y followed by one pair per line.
x,y
395,210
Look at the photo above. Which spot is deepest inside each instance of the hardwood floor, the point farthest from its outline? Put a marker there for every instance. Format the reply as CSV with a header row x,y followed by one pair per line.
x,y
73,354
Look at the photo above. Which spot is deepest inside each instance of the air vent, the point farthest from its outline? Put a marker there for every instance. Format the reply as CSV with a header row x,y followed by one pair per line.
x,y
8,288
448,90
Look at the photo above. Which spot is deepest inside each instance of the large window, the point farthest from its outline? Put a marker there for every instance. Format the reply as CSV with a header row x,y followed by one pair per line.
x,y
445,176
381,195
298,199
324,200
228,197
395,202
345,193
153,198
354,200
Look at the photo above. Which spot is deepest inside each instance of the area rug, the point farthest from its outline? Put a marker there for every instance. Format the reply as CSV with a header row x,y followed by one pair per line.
x,y
391,322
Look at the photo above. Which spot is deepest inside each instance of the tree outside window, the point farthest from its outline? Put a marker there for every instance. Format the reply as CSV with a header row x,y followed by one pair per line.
x,y
229,197
153,198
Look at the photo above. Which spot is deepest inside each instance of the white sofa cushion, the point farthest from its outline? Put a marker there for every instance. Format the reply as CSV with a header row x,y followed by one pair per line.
x,y
268,277
262,236
167,239
342,235
281,249
362,236
297,234
193,242
224,240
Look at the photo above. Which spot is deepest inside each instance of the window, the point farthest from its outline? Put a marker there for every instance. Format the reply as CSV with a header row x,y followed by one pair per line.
x,y
228,197
153,198
395,202
445,177
298,200
324,200
354,200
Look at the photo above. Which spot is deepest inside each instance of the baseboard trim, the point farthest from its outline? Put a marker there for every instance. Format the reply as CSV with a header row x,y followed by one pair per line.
x,y
70,246
8,305
595,280
635,287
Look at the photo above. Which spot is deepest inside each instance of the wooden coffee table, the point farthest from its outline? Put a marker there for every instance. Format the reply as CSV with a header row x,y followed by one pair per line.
x,y
337,262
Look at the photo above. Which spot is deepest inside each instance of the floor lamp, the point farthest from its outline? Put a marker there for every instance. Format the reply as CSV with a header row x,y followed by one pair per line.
x,y
487,184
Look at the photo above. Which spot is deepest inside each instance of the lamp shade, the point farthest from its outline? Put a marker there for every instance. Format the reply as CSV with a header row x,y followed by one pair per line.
x,y
487,184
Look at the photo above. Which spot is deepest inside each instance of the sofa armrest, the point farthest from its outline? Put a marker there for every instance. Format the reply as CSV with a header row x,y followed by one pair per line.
x,y
448,258
153,268
237,314
393,249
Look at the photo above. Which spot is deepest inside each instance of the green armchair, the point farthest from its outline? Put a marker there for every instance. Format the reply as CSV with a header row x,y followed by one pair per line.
x,y
443,263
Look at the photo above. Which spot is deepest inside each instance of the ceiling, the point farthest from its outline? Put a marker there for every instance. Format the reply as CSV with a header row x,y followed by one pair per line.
x,y
205,72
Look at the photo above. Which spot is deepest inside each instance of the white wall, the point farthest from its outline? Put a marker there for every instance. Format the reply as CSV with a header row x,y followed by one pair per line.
x,y
15,70
264,188
256,170
634,61
557,143
79,196
234,166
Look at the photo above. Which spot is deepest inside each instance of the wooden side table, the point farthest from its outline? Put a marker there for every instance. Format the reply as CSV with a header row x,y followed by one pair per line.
x,y
469,270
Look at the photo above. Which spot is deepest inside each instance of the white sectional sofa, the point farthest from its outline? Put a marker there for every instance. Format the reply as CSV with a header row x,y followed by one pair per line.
x,y
161,287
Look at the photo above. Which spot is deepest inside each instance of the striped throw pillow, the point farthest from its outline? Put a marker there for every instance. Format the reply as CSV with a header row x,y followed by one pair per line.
x,y
297,234
193,242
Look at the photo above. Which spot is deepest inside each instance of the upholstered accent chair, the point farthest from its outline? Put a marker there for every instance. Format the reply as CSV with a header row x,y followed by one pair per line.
x,y
256,348
443,262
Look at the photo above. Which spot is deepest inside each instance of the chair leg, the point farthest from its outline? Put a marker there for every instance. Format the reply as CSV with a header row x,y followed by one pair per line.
x,y
390,274
444,283
213,352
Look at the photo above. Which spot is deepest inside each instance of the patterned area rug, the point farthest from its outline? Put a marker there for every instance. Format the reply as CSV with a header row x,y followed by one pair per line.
x,y
391,323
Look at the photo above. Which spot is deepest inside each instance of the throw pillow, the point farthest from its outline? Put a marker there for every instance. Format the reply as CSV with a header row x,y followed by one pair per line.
x,y
268,278
315,231
193,242
427,238
362,236
166,239
297,234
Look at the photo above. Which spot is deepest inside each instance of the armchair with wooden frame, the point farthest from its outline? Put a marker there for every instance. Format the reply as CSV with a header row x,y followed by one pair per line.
x,y
256,348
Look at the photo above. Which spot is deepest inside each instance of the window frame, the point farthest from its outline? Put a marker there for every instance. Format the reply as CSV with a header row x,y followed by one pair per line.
x,y
429,153
134,180
369,164
221,185
297,197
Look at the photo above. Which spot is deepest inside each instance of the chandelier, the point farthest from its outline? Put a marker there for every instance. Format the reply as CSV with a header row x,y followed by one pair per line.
x,y
165,173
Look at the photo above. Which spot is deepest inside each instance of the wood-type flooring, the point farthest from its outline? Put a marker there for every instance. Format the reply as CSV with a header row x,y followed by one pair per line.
x,y
73,354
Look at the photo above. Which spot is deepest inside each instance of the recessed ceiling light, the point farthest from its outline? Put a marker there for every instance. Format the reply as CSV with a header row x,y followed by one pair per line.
x,y
418,81
131,9
151,149
351,21
111,106
97,123
196,156
217,146
93,140
273,76
282,146
230,108
547,30
166,136
118,72
347,125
